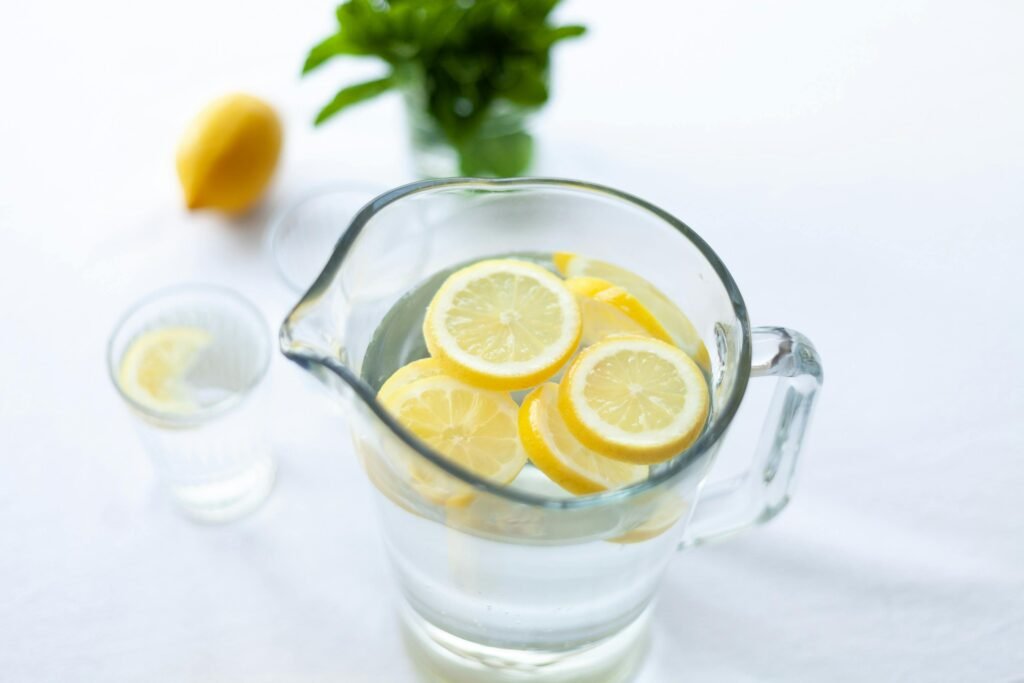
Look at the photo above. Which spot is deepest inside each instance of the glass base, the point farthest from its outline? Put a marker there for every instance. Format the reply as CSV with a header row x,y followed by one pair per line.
x,y
441,657
229,499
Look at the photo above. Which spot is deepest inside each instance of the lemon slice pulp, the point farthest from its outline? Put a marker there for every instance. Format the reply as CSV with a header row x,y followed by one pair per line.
x,y
502,324
634,399
154,367
664,311
474,428
559,455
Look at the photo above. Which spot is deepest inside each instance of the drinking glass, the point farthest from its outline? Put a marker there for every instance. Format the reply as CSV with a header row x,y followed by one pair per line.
x,y
214,457
301,237
526,582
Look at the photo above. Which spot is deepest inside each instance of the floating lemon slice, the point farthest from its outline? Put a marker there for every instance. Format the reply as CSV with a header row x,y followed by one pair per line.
x,y
407,374
502,324
474,428
634,399
673,320
559,455
154,367
609,310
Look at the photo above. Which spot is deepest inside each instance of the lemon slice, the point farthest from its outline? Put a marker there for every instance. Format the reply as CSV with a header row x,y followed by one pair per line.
x,y
609,310
669,509
502,324
407,374
154,367
558,454
634,399
673,320
474,428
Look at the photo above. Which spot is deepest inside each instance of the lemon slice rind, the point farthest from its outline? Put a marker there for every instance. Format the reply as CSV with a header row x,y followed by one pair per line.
x,y
407,374
564,460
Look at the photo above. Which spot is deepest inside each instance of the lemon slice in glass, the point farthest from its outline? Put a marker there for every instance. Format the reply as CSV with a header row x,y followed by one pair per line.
x,y
559,455
154,368
634,399
502,324
667,313
474,428
609,310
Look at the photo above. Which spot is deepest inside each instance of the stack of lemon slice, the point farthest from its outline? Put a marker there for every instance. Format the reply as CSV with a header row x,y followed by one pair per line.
x,y
651,301
634,395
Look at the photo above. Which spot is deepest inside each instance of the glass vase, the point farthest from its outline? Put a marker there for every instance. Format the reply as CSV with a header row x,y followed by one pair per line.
x,y
500,147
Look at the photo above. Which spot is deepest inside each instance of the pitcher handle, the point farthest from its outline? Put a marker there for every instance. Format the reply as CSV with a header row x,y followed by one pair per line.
x,y
725,508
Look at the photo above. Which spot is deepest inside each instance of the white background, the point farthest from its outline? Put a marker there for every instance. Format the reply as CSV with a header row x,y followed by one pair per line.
x,y
858,166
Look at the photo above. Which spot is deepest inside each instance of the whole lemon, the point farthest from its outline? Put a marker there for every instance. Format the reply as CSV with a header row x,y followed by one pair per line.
x,y
228,153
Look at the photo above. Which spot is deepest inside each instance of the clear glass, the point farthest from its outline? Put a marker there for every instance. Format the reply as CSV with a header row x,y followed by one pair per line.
x,y
501,147
215,459
525,582
302,236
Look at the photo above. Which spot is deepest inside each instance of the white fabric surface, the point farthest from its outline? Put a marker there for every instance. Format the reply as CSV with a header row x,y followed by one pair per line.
x,y
858,166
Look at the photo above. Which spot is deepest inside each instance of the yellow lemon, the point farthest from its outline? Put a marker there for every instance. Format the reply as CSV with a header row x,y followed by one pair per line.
x,y
634,399
502,324
671,318
475,428
153,368
228,154
559,455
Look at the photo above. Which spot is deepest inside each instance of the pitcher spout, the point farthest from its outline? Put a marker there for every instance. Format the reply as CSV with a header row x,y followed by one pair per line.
x,y
312,336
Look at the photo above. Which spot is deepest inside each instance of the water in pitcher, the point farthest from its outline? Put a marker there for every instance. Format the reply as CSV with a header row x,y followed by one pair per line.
x,y
522,596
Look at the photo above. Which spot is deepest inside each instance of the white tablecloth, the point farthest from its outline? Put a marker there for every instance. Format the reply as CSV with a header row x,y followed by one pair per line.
x,y
858,166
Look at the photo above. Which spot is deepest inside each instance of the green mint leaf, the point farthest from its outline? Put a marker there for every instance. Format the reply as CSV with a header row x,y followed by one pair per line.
x,y
354,94
331,46
563,32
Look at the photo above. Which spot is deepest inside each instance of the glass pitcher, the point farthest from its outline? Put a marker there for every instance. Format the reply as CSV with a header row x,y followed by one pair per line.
x,y
526,582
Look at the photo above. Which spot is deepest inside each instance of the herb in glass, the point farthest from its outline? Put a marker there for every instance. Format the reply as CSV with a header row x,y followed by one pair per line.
x,y
471,72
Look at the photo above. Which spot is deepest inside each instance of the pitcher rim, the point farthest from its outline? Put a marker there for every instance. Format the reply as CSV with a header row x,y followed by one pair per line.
x,y
715,429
